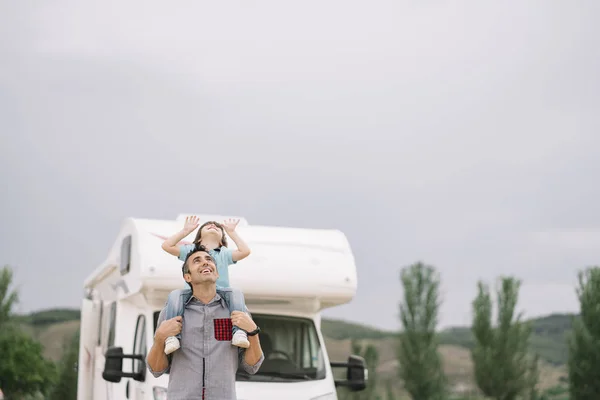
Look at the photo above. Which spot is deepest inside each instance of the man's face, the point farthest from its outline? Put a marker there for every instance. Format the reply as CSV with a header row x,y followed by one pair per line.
x,y
202,268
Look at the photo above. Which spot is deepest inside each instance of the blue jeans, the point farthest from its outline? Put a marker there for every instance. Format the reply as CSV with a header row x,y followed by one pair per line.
x,y
178,299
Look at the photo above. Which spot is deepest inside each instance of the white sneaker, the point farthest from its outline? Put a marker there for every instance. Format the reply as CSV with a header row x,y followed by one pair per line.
x,y
240,339
171,344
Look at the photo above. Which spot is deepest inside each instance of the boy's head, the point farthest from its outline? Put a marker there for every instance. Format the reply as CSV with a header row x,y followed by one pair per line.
x,y
211,229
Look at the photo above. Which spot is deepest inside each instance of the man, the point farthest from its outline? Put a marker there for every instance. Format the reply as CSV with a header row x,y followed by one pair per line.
x,y
206,364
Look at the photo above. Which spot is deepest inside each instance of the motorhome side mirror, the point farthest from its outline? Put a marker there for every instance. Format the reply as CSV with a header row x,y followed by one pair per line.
x,y
113,366
356,373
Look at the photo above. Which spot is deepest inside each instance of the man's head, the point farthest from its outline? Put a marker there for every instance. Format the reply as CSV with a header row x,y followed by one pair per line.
x,y
199,267
213,230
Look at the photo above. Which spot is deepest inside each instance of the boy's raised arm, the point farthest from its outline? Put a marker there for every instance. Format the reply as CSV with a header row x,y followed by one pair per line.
x,y
171,244
243,250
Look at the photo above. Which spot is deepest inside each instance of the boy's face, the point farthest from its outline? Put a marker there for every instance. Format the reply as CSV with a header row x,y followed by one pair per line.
x,y
212,229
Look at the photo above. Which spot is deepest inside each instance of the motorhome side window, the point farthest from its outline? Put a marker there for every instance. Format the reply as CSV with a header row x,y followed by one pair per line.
x,y
292,350
139,344
100,323
125,255
112,321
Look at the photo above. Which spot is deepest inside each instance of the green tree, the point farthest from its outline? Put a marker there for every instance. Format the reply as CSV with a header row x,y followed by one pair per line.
x,y
533,377
420,362
584,341
502,367
23,369
389,390
8,297
66,385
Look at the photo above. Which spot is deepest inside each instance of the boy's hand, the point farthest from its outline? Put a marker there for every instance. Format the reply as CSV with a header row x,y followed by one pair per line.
x,y
191,223
230,224
242,321
169,327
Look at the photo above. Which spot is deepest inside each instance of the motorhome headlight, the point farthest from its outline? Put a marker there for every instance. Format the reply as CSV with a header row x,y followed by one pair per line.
x,y
328,396
159,392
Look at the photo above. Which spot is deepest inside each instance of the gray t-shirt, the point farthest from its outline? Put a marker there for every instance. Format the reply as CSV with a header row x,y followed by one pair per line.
x,y
205,365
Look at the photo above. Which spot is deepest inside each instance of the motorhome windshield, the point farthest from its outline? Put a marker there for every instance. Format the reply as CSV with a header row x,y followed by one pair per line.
x,y
292,350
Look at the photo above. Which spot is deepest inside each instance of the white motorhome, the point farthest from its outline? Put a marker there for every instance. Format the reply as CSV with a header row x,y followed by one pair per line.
x,y
290,277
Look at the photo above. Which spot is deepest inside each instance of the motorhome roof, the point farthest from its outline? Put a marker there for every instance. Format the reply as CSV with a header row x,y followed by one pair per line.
x,y
285,261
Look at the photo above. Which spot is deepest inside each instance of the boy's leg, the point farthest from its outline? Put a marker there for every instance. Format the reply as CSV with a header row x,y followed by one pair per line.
x,y
236,302
173,308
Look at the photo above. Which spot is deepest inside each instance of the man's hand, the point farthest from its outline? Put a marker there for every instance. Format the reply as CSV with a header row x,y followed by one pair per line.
x,y
230,224
169,327
242,321
191,223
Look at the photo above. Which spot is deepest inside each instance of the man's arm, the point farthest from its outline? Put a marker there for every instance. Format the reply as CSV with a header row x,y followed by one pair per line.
x,y
254,353
251,358
243,250
171,244
157,360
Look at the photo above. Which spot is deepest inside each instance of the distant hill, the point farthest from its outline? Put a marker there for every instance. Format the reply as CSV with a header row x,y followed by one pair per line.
x,y
51,316
549,338
52,327
339,330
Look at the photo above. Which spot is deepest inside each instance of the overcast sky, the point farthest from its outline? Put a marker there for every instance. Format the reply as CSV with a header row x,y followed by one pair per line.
x,y
462,134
